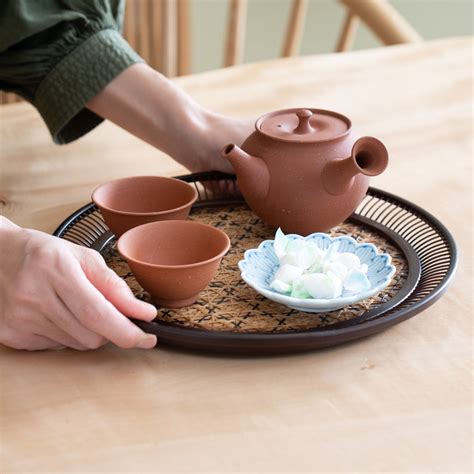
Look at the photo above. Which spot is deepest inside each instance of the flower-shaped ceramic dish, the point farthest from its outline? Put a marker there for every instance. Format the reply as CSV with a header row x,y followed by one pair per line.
x,y
259,266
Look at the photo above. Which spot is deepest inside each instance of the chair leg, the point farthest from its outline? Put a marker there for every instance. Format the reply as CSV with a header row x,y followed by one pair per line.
x,y
130,24
235,32
184,33
169,38
294,33
346,39
384,20
157,36
144,30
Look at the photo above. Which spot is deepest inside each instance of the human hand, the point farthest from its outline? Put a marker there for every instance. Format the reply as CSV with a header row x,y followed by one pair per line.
x,y
56,294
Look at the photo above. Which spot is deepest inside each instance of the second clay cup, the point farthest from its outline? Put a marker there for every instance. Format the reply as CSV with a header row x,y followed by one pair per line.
x,y
129,202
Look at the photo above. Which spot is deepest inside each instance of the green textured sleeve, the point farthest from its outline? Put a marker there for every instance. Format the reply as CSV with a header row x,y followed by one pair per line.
x,y
81,75
59,55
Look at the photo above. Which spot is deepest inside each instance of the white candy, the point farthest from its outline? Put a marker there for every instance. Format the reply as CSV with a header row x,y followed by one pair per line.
x,y
349,260
295,245
307,271
280,286
289,259
337,268
309,255
287,273
317,267
298,252
322,286
331,251
356,282
280,243
299,289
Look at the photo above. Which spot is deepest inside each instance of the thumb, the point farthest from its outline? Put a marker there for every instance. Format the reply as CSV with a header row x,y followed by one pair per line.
x,y
115,289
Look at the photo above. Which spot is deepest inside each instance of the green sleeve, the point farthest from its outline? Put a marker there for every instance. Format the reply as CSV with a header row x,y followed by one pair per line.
x,y
59,55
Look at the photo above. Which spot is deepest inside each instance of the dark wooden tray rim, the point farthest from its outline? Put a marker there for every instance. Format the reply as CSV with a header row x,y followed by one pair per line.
x,y
368,324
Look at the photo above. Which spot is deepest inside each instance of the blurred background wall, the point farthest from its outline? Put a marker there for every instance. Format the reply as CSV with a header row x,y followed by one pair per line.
x,y
266,25
267,20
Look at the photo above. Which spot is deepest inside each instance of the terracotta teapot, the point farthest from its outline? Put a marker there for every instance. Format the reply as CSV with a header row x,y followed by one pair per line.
x,y
304,170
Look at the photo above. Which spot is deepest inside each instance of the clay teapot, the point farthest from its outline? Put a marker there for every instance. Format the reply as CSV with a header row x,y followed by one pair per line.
x,y
304,170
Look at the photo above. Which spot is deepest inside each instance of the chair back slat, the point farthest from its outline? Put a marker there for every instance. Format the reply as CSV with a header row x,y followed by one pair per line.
x,y
384,21
294,33
235,41
156,35
349,29
144,28
184,35
160,31
130,24
170,38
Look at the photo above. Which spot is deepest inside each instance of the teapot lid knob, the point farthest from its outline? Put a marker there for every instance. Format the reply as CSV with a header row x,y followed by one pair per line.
x,y
303,125
303,122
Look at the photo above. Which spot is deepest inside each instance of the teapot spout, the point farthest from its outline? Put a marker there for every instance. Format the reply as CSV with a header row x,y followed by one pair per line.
x,y
252,172
369,157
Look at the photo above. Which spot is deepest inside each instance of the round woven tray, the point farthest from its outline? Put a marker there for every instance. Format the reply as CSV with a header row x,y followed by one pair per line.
x,y
231,317
229,304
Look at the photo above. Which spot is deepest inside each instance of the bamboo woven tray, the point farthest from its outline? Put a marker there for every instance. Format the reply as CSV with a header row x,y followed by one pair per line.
x,y
231,317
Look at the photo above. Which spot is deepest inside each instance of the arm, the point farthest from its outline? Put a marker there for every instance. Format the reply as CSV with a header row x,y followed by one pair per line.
x,y
59,55
146,104
73,64
54,293
78,302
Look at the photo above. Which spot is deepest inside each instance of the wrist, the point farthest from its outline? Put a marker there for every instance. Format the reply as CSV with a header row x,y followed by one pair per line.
x,y
7,225
202,140
11,237
10,248
216,132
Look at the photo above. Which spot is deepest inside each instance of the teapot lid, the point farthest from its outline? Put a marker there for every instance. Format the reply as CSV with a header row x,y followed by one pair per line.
x,y
303,125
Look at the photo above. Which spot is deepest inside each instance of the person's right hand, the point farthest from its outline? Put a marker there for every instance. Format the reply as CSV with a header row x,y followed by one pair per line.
x,y
57,294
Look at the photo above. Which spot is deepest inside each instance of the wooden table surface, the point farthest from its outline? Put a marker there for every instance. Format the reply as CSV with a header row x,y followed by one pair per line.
x,y
398,401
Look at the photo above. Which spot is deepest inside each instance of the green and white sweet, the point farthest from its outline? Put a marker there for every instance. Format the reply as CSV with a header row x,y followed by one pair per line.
x,y
316,273
307,271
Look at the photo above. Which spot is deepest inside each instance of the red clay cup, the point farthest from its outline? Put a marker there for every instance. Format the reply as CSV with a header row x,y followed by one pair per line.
x,y
174,260
129,202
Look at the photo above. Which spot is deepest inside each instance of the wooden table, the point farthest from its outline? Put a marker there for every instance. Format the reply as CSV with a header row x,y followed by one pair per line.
x,y
399,401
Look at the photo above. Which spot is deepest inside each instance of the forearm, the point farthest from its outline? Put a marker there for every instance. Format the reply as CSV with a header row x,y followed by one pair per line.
x,y
146,104
151,107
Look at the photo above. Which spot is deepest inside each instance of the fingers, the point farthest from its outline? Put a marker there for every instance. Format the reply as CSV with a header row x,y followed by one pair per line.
x,y
41,343
48,302
28,341
98,314
54,333
49,326
115,289
62,317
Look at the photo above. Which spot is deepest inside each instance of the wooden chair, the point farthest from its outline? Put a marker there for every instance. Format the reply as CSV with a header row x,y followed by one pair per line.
x,y
159,30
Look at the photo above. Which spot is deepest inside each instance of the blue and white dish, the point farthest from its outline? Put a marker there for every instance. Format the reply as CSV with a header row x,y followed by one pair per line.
x,y
259,266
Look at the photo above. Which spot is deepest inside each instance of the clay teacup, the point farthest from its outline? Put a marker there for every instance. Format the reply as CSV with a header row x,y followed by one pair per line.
x,y
129,202
174,260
